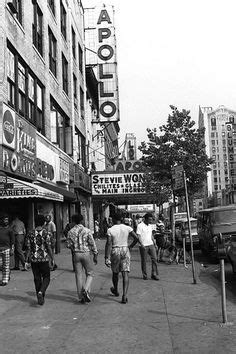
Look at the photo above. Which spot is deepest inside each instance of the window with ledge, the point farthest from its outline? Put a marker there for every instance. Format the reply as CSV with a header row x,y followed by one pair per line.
x,y
64,74
25,91
82,103
52,53
21,89
51,4
11,82
80,58
61,131
63,20
37,28
81,148
73,42
75,91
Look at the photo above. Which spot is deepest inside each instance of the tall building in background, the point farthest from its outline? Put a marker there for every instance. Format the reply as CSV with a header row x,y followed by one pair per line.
x,y
220,140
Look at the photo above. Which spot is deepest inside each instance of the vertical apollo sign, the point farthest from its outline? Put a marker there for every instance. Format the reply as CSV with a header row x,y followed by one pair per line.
x,y
107,66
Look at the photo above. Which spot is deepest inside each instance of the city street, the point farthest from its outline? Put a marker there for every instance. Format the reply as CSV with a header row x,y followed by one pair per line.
x,y
169,316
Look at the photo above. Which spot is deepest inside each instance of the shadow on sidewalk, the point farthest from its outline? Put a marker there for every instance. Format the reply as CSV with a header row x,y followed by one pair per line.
x,y
183,316
57,297
9,297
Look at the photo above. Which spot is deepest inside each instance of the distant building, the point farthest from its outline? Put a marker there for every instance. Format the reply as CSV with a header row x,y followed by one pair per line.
x,y
220,140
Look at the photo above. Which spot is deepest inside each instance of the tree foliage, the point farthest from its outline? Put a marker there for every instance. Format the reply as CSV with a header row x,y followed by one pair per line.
x,y
177,143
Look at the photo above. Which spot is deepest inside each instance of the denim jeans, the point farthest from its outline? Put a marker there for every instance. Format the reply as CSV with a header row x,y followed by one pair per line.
x,y
82,261
144,251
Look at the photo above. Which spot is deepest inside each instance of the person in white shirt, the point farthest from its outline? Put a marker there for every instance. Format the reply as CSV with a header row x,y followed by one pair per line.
x,y
146,239
117,255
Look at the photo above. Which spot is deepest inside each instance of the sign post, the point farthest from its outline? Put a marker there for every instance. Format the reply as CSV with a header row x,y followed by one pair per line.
x,y
189,227
177,175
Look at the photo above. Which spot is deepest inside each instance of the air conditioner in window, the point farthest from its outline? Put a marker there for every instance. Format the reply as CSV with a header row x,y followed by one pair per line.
x,y
12,6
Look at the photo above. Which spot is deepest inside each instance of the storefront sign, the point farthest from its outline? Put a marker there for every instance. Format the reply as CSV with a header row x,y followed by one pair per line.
x,y
118,184
47,162
82,180
64,171
44,169
19,145
124,165
140,207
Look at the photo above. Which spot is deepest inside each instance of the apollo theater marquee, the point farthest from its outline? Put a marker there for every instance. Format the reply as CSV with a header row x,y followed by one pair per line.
x,y
101,52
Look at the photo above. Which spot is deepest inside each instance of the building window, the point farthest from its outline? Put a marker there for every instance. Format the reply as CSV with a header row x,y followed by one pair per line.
x,y
223,134
63,21
61,131
11,86
81,148
51,4
26,94
21,89
212,135
80,59
213,121
82,103
216,188
213,127
213,142
226,172
225,157
19,10
215,172
75,91
52,53
64,74
73,42
215,179
214,157
213,150
224,148
38,28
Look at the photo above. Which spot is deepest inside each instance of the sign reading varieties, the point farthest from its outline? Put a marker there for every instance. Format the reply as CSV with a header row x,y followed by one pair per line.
x,y
119,183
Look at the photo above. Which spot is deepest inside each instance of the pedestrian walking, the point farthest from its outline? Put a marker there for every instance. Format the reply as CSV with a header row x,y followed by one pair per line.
x,y
117,255
81,241
68,227
148,246
18,227
7,240
39,251
50,226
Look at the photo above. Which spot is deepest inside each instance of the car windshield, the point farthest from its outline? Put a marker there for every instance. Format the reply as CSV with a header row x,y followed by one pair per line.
x,y
224,217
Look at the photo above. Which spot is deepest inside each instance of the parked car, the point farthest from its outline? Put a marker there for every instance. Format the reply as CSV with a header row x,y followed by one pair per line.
x,y
212,222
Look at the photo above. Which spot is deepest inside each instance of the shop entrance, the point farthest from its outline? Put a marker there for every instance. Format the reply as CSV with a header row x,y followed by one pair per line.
x,y
18,207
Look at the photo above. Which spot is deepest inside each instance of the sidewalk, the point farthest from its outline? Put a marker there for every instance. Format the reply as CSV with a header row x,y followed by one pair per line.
x,y
169,316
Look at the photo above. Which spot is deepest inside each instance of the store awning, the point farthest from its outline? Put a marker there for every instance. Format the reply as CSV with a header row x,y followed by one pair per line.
x,y
15,188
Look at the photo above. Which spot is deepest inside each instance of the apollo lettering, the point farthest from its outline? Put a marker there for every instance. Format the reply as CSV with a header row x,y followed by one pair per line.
x,y
106,52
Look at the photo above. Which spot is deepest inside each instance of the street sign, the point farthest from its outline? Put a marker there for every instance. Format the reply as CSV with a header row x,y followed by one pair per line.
x,y
177,174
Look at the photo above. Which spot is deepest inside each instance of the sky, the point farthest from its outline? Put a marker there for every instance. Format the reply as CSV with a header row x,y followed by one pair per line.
x,y
170,52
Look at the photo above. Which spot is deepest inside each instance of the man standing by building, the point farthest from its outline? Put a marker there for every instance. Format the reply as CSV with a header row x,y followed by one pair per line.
x,y
144,232
38,246
51,227
18,228
80,240
7,240
117,254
